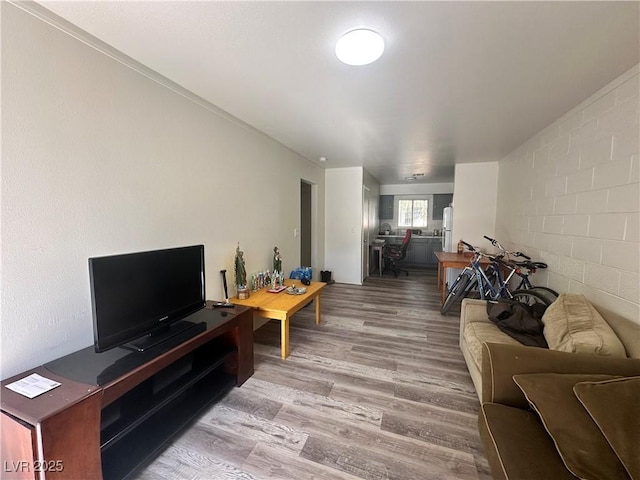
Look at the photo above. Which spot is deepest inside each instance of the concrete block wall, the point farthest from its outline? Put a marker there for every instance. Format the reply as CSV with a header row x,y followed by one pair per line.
x,y
570,197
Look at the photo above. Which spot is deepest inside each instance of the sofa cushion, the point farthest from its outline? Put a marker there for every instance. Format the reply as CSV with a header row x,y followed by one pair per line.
x,y
572,324
584,450
619,422
475,333
517,445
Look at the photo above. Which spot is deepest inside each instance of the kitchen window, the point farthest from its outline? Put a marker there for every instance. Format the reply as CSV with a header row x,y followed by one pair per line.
x,y
413,213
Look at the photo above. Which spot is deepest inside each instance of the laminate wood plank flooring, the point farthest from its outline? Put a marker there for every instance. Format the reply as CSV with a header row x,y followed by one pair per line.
x,y
378,390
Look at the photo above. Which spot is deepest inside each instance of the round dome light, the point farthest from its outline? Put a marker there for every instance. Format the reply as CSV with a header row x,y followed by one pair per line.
x,y
359,47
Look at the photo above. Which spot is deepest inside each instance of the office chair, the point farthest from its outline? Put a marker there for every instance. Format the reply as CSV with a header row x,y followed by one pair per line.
x,y
396,253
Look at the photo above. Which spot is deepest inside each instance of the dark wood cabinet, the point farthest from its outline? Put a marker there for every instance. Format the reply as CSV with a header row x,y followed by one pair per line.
x,y
114,410
386,207
55,436
440,201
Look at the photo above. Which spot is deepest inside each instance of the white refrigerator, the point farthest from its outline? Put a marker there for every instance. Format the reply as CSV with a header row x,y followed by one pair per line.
x,y
447,242
447,225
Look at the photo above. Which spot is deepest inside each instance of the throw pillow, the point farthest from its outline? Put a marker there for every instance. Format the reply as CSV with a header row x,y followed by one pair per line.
x,y
582,447
572,324
615,407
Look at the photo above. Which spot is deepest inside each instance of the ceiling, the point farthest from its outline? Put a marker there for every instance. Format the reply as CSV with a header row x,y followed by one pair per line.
x,y
458,82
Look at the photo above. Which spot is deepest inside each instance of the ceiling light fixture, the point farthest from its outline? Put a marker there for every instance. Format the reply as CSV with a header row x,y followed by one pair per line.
x,y
323,159
359,47
410,178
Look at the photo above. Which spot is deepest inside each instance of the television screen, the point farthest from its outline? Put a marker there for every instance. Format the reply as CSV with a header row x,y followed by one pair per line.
x,y
135,294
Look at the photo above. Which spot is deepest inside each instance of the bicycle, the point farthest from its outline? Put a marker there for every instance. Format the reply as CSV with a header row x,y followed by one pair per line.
x,y
530,266
473,276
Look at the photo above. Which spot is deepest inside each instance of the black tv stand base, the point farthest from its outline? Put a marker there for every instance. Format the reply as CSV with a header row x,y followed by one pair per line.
x,y
136,426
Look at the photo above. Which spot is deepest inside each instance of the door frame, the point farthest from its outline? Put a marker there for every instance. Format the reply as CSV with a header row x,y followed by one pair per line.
x,y
366,230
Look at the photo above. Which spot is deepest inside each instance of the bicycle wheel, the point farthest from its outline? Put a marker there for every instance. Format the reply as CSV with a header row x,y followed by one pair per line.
x,y
456,292
550,294
531,297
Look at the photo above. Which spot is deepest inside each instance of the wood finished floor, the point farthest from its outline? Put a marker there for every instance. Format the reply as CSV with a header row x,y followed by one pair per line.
x,y
379,390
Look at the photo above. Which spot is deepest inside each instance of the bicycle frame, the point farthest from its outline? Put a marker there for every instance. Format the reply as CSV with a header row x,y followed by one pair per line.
x,y
485,287
525,283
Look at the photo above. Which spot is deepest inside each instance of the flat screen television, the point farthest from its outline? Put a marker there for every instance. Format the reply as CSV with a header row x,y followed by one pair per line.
x,y
145,294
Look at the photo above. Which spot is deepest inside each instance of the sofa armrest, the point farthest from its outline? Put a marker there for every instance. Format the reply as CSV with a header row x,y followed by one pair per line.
x,y
500,362
473,310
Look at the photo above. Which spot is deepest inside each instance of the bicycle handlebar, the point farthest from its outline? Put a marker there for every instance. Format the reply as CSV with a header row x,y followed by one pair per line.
x,y
494,258
495,243
468,245
528,264
479,252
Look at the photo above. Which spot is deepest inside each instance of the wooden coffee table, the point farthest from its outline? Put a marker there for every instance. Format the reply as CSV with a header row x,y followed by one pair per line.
x,y
281,306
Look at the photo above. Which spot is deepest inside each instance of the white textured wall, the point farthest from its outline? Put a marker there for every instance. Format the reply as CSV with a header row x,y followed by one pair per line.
x,y
99,159
343,210
474,203
569,196
374,194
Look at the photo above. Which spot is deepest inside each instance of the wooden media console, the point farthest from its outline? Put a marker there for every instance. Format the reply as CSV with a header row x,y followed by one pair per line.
x,y
114,411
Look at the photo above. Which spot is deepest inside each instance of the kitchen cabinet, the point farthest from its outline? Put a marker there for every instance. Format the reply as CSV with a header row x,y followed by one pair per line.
x,y
386,207
424,251
420,247
434,245
420,250
440,201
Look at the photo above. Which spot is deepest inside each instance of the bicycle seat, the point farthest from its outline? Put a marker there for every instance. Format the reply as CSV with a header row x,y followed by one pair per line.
x,y
531,265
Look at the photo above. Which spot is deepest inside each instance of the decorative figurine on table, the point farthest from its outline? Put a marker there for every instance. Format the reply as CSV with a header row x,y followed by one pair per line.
x,y
277,260
241,274
276,280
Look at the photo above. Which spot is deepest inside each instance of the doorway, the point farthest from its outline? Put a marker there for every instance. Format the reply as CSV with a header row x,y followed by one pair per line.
x,y
305,224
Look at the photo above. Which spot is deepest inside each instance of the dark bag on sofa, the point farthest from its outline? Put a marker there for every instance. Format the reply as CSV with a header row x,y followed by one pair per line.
x,y
519,321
